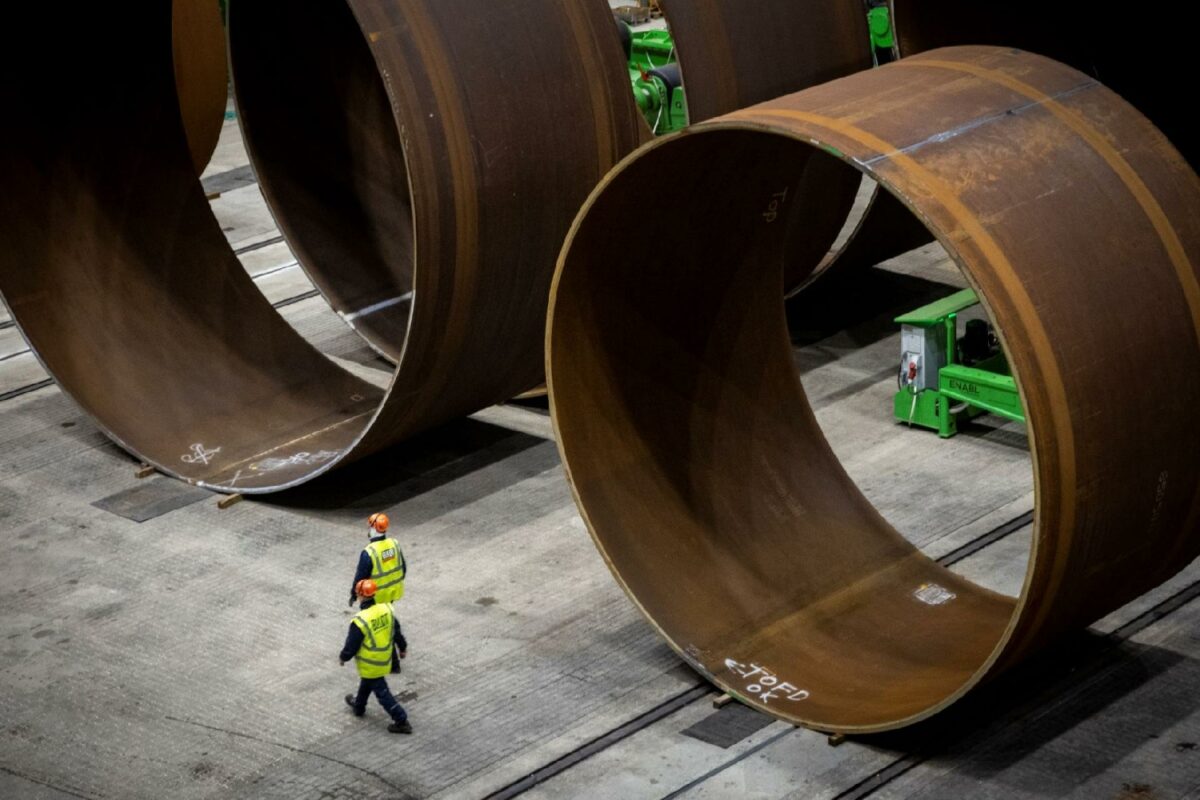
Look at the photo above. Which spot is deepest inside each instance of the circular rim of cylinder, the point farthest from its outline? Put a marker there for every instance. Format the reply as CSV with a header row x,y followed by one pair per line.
x,y
646,505
201,78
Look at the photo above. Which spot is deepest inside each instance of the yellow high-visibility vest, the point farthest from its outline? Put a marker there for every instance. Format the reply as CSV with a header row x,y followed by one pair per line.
x,y
387,570
374,658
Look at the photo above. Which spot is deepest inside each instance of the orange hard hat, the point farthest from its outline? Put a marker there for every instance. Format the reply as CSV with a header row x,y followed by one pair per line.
x,y
378,522
365,588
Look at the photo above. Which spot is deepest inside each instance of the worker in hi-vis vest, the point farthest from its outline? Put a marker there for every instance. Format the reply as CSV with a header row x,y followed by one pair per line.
x,y
376,644
382,562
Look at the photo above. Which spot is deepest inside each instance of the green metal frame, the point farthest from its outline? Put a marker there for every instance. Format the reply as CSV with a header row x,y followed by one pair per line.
x,y
664,107
962,392
651,49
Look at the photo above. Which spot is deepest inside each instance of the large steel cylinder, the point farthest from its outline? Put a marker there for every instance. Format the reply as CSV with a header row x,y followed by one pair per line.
x,y
697,462
507,113
122,281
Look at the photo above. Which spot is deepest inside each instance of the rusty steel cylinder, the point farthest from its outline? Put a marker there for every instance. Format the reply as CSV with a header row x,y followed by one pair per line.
x,y
445,157
424,160
697,462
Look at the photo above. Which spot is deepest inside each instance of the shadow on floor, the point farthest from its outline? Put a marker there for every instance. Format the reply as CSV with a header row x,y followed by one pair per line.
x,y
409,469
1083,707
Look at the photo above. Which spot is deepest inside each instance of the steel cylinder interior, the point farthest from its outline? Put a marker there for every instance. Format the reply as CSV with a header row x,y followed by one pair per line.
x,y
122,281
710,486
318,125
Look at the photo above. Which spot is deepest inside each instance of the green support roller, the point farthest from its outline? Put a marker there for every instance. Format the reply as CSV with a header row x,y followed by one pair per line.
x,y
938,389
655,78
879,20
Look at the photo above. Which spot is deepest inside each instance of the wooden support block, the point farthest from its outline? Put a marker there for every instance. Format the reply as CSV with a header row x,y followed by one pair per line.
x,y
836,739
537,391
229,500
212,196
144,471
723,701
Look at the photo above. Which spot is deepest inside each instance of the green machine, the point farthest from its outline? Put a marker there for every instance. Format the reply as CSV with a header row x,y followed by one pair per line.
x,y
655,77
658,84
944,378
879,23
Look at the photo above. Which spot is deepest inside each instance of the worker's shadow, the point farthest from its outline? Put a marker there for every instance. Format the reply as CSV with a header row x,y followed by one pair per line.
x,y
421,464
1075,711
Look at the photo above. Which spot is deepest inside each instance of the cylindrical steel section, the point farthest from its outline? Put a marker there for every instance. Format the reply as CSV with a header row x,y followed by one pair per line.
x,y
122,281
119,275
708,484
201,77
507,114
735,55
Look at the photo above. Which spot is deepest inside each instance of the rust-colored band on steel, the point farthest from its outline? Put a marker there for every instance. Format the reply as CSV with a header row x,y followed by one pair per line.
x,y
706,481
438,252
124,285
201,77
1132,53
735,55
1136,52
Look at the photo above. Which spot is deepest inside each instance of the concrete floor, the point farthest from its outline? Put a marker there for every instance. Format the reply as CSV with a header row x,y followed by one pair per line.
x,y
193,655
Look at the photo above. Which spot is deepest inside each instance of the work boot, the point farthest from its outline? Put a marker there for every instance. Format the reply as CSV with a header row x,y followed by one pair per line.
x,y
355,709
400,727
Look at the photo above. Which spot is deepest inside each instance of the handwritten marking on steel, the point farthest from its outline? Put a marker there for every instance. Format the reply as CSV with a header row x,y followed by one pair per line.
x,y
764,684
777,201
305,459
200,455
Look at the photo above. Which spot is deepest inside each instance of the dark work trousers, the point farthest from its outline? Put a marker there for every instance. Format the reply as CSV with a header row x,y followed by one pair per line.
x,y
383,694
